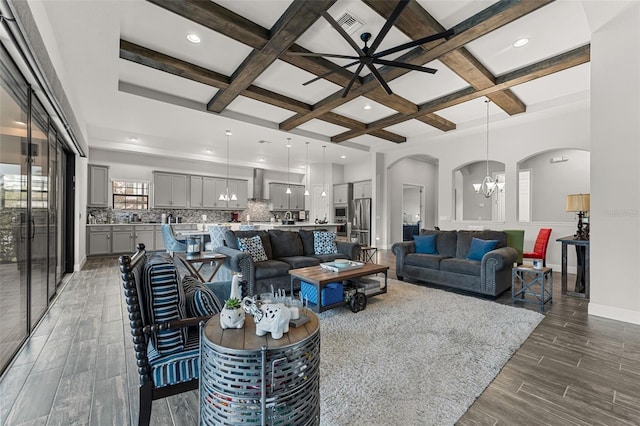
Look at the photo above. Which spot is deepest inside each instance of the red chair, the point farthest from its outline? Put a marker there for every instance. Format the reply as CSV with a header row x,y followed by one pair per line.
x,y
540,246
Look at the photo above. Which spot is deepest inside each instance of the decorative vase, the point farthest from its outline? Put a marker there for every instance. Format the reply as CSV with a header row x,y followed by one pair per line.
x,y
236,282
231,318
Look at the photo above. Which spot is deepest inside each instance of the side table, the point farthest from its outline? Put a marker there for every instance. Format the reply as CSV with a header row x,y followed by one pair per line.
x,y
368,254
249,379
528,281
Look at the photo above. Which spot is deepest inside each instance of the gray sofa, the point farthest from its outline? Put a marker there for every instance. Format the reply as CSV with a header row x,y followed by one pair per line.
x,y
285,250
451,268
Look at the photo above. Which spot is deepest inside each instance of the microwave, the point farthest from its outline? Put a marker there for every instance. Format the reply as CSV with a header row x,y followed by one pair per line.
x,y
340,212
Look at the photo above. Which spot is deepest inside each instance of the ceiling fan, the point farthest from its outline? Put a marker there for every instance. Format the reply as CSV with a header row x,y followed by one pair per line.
x,y
368,57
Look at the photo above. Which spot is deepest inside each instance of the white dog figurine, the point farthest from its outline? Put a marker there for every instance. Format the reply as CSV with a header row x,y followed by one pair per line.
x,y
269,318
231,318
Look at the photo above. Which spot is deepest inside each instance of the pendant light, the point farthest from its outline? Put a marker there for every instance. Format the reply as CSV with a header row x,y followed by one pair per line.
x,y
324,149
224,196
488,185
306,188
288,191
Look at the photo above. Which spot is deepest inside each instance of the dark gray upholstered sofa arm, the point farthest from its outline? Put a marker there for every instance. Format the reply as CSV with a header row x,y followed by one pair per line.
x,y
499,258
401,250
239,261
350,249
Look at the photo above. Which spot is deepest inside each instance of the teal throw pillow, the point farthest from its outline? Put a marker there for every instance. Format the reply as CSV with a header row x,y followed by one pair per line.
x,y
254,247
480,247
425,244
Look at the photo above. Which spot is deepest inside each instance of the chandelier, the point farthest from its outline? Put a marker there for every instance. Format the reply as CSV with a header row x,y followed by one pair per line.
x,y
224,195
488,185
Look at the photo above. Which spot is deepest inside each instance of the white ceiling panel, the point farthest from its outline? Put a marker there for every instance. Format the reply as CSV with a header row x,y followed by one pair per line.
x,y
247,106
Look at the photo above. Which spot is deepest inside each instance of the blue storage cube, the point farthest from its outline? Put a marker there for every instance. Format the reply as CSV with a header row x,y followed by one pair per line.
x,y
331,294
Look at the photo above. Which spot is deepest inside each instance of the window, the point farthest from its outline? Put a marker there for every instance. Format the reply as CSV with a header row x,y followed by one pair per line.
x,y
130,195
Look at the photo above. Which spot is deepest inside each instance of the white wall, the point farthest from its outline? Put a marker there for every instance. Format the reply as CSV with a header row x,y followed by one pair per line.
x,y
513,140
409,171
615,154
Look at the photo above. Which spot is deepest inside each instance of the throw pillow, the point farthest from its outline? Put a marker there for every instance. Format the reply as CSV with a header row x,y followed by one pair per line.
x,y
254,247
425,244
200,301
324,242
480,247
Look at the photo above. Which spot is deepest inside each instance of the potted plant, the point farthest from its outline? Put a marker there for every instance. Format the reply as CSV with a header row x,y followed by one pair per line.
x,y
232,314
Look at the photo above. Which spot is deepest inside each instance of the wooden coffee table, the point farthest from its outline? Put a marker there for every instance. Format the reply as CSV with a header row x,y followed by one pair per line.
x,y
320,277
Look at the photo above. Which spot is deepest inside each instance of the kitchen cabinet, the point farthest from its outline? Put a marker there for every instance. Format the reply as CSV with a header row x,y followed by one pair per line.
x,y
170,190
241,189
99,240
122,239
98,186
341,193
362,189
297,197
145,234
196,191
278,197
209,195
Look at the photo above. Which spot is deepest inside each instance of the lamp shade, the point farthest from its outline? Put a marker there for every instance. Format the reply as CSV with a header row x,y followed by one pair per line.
x,y
578,202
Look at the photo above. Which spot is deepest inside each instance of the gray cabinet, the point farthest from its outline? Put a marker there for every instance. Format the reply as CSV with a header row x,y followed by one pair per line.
x,y
123,238
220,186
98,195
297,197
99,240
362,189
170,190
196,191
278,197
209,195
145,234
241,189
341,193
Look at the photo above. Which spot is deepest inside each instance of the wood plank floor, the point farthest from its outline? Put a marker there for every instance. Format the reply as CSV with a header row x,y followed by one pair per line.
x,y
79,368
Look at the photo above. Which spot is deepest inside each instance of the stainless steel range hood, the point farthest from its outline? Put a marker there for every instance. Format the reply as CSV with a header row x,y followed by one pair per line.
x,y
258,185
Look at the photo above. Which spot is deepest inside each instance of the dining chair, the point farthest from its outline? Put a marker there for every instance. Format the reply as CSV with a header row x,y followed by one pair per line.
x,y
171,242
540,246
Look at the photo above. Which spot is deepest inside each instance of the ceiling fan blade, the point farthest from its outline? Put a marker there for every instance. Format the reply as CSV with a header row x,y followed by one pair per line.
x,y
378,77
353,80
321,55
387,25
404,65
414,43
342,32
326,74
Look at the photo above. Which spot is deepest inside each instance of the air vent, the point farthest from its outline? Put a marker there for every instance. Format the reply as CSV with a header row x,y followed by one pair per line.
x,y
349,23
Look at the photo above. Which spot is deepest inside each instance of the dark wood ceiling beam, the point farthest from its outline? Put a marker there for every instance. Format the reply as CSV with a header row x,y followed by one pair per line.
x,y
417,23
222,20
298,17
159,61
575,57
491,18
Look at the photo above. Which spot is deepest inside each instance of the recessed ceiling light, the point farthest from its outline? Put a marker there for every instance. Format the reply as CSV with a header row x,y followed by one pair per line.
x,y
20,123
261,160
208,150
193,38
343,156
520,42
228,132
367,107
132,139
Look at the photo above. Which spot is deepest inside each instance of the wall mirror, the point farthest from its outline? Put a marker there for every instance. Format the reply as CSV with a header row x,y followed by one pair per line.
x,y
412,210
544,181
470,205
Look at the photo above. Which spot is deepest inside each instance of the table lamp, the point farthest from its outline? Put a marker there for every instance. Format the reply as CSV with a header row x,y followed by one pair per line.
x,y
579,203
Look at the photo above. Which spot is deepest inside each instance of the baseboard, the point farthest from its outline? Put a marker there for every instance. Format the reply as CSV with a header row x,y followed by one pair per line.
x,y
614,313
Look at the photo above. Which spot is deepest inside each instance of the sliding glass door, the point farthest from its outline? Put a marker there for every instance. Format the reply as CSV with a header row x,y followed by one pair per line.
x,y
14,268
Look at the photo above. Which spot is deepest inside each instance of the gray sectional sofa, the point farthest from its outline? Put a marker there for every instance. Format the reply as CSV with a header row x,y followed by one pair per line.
x,y
285,250
450,267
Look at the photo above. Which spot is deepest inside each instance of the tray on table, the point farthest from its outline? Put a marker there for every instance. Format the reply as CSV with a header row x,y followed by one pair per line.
x,y
341,266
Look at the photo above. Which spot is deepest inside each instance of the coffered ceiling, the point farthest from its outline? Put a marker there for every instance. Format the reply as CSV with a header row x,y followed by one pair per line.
x,y
141,85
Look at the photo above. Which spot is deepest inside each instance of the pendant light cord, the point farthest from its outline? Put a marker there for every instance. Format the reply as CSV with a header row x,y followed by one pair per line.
x,y
487,102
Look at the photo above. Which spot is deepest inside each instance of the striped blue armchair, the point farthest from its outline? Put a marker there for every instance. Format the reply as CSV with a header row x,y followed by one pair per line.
x,y
164,313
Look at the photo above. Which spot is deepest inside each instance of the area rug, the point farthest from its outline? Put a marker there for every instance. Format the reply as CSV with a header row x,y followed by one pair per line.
x,y
414,356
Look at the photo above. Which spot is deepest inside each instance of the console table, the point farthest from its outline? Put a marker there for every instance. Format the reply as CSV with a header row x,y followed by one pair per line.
x,y
582,267
249,379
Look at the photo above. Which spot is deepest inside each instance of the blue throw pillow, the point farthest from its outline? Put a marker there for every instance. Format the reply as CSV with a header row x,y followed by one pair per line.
x,y
480,247
425,244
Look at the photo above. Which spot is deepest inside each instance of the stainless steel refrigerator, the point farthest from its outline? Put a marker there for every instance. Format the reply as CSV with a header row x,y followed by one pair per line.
x,y
361,220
